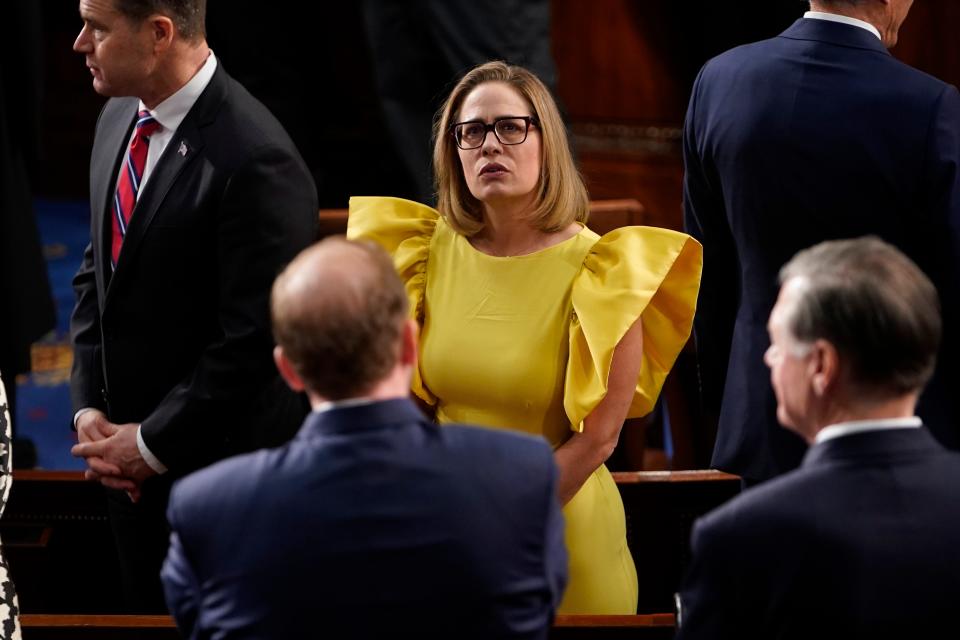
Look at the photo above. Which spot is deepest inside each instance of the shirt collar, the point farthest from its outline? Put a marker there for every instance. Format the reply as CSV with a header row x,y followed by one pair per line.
x,y
343,404
860,426
834,17
171,112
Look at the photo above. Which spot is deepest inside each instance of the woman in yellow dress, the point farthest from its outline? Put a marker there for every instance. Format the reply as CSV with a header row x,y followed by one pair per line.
x,y
530,321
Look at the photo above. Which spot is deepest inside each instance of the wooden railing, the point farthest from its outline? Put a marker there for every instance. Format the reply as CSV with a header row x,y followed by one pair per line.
x,y
120,627
605,215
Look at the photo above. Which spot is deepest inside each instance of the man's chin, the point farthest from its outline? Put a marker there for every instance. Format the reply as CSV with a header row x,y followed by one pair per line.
x,y
785,420
103,89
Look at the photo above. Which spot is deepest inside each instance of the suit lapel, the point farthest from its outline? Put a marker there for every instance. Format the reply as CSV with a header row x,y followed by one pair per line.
x,y
109,148
179,153
185,145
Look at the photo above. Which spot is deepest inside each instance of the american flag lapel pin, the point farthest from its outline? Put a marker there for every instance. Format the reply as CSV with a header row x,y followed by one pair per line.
x,y
183,149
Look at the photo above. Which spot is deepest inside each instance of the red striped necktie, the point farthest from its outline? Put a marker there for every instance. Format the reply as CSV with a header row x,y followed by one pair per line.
x,y
128,185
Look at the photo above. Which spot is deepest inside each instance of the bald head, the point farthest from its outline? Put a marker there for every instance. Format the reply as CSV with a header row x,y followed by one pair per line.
x,y
338,313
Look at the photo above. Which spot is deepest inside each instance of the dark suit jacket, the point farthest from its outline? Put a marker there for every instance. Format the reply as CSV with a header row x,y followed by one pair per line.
x,y
860,542
816,134
178,337
372,523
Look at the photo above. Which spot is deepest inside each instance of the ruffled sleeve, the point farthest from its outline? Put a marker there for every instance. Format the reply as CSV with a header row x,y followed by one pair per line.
x,y
630,272
404,228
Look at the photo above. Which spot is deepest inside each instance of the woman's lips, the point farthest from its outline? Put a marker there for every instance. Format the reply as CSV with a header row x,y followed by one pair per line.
x,y
493,170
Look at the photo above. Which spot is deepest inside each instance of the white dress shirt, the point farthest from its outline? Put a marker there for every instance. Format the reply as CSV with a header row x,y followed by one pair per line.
x,y
835,17
171,112
862,426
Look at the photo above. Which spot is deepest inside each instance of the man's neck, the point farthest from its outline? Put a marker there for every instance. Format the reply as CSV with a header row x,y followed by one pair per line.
x,y
396,386
862,12
898,407
172,76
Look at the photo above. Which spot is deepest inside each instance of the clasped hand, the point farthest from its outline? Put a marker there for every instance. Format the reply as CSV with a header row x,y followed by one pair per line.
x,y
111,451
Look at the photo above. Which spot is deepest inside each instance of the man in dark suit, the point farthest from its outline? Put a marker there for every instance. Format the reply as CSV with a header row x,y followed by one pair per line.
x,y
861,540
816,134
198,198
373,521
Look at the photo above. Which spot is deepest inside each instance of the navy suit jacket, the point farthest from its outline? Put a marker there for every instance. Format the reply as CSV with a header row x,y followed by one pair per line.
x,y
177,338
816,134
372,522
860,542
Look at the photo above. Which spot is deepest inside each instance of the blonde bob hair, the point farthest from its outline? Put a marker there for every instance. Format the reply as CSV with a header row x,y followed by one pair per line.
x,y
561,195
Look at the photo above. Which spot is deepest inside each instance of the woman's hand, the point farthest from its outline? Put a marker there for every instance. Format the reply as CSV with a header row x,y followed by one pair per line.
x,y
584,452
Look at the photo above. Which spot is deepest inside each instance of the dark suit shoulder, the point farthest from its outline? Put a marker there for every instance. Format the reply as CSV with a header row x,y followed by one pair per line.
x,y
250,125
481,444
774,503
215,485
891,75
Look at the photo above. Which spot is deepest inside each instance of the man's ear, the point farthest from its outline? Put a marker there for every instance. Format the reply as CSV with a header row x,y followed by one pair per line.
x,y
287,371
162,31
408,343
825,366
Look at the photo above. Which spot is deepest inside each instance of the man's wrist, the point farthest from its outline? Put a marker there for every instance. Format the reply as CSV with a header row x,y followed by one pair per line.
x,y
152,461
76,416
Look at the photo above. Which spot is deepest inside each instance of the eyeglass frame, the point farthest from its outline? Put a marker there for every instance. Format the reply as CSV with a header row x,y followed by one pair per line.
x,y
487,128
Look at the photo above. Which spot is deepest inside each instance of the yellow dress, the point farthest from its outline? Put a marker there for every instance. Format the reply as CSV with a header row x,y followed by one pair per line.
x,y
526,343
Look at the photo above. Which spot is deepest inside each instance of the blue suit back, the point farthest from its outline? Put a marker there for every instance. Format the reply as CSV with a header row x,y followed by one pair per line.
x,y
816,134
372,522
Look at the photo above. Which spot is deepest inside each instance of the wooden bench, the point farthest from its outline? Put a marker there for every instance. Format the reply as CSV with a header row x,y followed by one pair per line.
x,y
119,627
59,546
97,627
661,507
658,626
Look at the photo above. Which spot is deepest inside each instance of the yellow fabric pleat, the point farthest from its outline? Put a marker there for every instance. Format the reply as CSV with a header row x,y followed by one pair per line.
x,y
629,272
404,228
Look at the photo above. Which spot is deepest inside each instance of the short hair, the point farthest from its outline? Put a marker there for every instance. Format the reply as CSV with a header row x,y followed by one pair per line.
x,y
561,195
874,305
188,15
338,312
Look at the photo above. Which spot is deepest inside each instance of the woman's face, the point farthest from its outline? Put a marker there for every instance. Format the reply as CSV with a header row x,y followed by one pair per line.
x,y
496,173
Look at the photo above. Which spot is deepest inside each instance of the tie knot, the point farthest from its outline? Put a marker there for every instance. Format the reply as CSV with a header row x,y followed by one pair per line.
x,y
146,125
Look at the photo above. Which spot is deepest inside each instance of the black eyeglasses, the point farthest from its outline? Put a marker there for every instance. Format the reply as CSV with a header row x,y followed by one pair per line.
x,y
509,130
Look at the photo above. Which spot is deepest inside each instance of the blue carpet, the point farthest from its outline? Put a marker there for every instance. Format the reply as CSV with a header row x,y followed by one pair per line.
x,y
43,397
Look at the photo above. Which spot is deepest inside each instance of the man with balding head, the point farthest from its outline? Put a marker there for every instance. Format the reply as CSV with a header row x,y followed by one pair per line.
x,y
373,521
816,134
861,540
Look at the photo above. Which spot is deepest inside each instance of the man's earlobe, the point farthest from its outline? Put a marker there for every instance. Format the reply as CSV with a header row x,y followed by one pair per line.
x,y
826,364
287,371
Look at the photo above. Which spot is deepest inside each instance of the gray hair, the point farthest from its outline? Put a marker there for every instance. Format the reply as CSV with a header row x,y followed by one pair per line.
x,y
874,305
